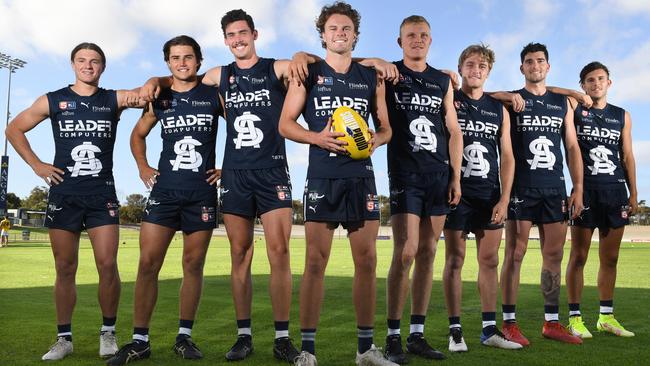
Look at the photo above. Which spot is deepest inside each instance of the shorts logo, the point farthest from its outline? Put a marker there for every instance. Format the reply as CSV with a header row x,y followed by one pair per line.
x,y
85,161
424,138
113,209
207,213
602,165
543,157
247,134
314,196
563,204
150,203
372,203
284,194
624,211
186,155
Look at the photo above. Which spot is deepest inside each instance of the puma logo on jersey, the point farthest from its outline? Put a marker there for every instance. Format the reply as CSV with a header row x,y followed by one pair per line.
x,y
540,102
475,107
186,100
87,105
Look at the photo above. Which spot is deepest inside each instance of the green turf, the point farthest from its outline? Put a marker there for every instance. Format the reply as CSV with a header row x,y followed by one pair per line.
x,y
27,320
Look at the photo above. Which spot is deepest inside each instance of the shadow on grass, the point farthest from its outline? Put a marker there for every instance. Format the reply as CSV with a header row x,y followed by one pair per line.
x,y
28,326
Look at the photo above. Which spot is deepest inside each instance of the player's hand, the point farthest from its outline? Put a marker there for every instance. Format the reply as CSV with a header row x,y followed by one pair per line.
x,y
373,140
50,174
517,102
585,100
455,80
149,176
149,91
453,193
213,176
575,204
634,206
298,70
132,98
500,212
386,70
327,140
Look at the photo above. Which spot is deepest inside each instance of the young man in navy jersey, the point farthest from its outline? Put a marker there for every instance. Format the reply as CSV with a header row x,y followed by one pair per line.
x,y
84,121
605,137
339,190
487,155
255,178
539,193
424,160
183,194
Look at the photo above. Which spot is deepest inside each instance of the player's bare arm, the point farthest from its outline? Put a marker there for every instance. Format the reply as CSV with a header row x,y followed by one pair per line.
x,y
15,132
296,68
506,171
629,164
151,89
129,99
512,100
455,145
291,129
379,112
385,70
582,98
574,160
139,146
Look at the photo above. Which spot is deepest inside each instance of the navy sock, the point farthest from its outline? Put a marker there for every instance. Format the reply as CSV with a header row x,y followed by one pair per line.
x,y
308,340
244,327
65,331
364,338
141,335
281,329
508,313
454,322
184,329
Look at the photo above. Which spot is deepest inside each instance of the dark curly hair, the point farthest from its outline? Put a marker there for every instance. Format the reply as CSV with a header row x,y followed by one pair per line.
x,y
342,8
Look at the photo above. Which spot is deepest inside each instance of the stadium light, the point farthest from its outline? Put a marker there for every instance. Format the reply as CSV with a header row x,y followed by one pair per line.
x,y
13,64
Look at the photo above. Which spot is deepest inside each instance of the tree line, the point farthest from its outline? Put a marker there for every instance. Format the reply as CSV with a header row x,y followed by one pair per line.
x,y
132,210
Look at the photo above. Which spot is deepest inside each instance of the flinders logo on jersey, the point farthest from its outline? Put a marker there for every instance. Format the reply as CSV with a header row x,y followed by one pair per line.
x,y
488,113
553,107
325,80
358,86
201,103
65,105
101,109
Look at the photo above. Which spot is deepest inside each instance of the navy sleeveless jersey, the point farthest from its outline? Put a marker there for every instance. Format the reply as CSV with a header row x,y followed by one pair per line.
x,y
326,91
537,139
188,127
416,113
480,120
253,101
599,136
84,130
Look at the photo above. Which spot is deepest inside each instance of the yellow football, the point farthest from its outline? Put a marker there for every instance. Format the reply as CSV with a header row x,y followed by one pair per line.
x,y
347,121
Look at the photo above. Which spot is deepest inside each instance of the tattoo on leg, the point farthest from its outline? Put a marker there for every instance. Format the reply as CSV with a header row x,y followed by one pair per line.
x,y
551,287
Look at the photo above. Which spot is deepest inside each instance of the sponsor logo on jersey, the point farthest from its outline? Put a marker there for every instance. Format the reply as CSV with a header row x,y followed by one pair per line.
x,y
327,102
612,120
418,99
488,113
358,86
67,113
87,105
200,119
87,125
601,132
65,105
554,107
201,103
585,113
325,80
101,109
478,126
255,96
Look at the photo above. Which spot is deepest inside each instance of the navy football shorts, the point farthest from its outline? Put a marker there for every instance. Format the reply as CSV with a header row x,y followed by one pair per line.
x,y
604,208
424,195
539,205
254,192
186,210
473,214
346,201
78,212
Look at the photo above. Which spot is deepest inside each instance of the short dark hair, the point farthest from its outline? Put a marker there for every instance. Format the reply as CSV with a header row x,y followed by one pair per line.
x,y
236,15
183,41
342,8
88,46
592,66
533,47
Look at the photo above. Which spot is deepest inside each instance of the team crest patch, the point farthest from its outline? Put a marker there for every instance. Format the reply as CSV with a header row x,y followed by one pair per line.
x,y
284,194
585,113
113,209
207,213
325,80
67,105
372,203
625,211
232,79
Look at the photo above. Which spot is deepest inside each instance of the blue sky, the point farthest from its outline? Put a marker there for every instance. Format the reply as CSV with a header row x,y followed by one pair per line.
x,y
132,33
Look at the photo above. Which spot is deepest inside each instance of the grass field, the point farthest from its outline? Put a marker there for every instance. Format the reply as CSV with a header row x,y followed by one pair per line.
x,y
28,322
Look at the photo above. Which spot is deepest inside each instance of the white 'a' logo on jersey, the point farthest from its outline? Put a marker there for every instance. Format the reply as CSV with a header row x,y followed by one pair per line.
x,y
247,134
85,161
424,138
186,155
477,165
544,158
602,165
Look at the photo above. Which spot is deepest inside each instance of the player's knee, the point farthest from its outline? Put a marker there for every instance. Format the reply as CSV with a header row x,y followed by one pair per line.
x,y
107,267
279,251
148,266
455,262
579,260
427,254
66,268
609,261
518,256
315,265
193,265
488,262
